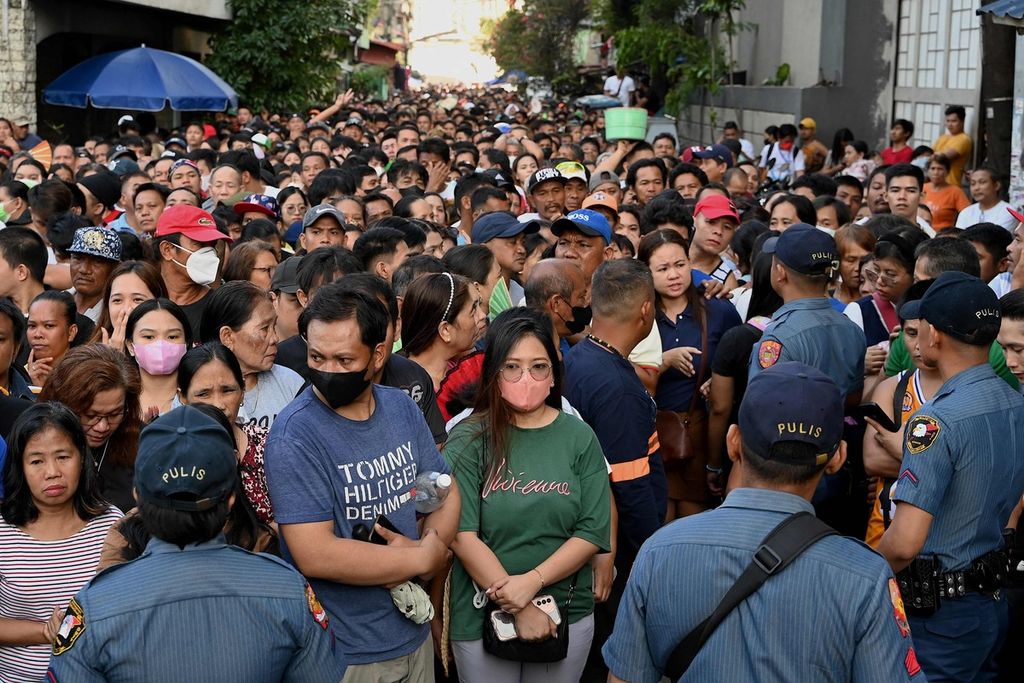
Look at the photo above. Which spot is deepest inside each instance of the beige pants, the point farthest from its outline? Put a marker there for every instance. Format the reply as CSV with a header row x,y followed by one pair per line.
x,y
415,667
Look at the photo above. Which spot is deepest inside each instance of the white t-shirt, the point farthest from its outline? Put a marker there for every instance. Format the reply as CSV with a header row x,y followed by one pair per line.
x,y
998,214
624,88
783,166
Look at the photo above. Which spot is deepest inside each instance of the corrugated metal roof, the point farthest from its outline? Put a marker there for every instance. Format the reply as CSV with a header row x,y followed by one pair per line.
x,y
1014,9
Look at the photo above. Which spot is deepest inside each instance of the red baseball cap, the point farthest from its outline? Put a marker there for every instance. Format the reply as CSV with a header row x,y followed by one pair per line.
x,y
715,206
1016,214
187,220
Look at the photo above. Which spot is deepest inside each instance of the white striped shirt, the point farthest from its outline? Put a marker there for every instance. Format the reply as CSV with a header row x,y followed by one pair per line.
x,y
36,576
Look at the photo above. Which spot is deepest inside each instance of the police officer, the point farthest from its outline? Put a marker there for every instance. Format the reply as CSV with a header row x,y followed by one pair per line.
x,y
962,475
808,329
191,607
835,610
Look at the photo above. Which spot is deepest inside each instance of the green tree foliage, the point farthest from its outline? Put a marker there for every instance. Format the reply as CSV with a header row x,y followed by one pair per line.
x,y
679,41
283,55
539,38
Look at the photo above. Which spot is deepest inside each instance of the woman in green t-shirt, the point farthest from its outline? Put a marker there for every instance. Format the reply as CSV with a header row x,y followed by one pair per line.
x,y
536,506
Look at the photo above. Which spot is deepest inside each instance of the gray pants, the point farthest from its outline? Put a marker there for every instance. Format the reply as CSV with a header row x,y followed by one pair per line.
x,y
476,666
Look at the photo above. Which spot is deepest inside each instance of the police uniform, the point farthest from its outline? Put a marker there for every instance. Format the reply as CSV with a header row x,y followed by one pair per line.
x,y
962,464
203,612
834,614
210,612
810,330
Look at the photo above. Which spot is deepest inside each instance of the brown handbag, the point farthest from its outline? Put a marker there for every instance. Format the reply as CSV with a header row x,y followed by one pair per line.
x,y
675,432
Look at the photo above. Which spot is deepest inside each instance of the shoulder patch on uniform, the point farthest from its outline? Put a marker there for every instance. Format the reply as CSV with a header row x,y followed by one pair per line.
x,y
911,663
70,629
768,353
898,612
921,433
315,608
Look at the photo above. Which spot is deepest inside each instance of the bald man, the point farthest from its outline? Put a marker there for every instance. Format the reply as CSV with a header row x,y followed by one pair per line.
x,y
557,287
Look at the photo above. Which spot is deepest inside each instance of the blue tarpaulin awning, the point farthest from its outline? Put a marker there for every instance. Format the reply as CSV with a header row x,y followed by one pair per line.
x,y
1005,11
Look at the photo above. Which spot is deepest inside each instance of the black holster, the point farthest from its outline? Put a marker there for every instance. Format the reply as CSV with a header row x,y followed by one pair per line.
x,y
919,586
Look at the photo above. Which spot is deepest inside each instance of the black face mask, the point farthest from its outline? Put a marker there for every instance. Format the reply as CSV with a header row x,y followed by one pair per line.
x,y
340,388
581,316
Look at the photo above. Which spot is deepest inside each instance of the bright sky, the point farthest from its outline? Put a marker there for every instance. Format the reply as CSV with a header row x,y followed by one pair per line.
x,y
452,56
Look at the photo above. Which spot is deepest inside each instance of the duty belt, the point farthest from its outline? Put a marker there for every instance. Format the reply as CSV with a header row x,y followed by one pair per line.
x,y
923,585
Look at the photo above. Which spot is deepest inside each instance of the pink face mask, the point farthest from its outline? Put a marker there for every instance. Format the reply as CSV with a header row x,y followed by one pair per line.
x,y
527,394
159,357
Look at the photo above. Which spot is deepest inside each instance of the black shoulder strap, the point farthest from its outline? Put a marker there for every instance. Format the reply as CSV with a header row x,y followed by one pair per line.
x,y
777,551
897,396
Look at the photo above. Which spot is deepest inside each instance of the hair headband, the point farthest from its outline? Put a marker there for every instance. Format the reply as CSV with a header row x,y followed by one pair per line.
x,y
451,297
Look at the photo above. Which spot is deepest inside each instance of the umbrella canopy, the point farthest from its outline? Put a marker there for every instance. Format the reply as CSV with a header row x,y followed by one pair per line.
x,y
142,79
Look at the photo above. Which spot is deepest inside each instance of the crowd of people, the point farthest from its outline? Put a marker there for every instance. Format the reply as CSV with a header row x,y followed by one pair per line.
x,y
411,390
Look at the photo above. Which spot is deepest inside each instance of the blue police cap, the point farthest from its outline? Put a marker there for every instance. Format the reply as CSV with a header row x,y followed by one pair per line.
x,y
963,307
500,224
788,402
186,461
587,221
805,249
719,153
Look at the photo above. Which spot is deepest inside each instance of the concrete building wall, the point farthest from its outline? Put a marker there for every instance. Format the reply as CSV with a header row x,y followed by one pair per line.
x,y
18,62
847,45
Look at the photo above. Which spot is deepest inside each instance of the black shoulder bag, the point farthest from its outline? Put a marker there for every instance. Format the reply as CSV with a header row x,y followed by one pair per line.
x,y
777,551
534,652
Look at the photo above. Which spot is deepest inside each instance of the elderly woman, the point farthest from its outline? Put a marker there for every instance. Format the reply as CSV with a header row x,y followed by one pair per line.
x,y
52,525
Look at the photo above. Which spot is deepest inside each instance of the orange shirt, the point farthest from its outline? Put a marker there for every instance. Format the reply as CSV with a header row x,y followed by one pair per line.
x,y
945,204
912,400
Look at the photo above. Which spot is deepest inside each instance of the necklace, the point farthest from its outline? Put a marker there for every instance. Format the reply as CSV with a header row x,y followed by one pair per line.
x,y
605,345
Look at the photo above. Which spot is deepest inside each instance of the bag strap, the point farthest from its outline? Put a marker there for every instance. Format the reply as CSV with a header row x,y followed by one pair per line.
x,y
777,551
703,361
897,396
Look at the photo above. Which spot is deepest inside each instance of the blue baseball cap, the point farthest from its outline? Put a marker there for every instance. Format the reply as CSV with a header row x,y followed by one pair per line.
x,y
186,461
805,249
500,224
963,307
99,242
789,402
587,221
719,153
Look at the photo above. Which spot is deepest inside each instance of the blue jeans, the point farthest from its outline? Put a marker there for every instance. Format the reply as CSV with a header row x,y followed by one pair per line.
x,y
959,643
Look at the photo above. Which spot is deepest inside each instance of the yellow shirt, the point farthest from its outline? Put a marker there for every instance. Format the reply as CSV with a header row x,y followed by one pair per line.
x,y
961,142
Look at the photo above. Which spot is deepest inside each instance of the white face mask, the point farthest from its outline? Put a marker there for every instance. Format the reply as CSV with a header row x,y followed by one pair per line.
x,y
202,265
204,181
828,231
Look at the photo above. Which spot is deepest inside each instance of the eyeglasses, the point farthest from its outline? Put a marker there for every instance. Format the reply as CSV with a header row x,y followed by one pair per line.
x,y
512,373
269,270
92,419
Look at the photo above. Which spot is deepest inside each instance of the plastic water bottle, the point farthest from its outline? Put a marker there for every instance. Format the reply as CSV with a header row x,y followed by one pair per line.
x,y
431,490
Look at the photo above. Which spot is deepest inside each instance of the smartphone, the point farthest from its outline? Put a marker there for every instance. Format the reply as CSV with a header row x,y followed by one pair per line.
x,y
547,605
385,523
875,412
504,625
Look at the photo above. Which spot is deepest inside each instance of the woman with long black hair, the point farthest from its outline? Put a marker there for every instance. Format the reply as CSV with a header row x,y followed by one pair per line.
x,y
536,508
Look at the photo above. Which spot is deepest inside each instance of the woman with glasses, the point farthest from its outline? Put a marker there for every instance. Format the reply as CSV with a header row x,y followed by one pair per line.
x,y
52,524
158,335
535,508
102,387
254,261
854,242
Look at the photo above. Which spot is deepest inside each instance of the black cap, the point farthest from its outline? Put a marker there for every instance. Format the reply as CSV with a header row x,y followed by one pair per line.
x,y
105,186
805,249
789,402
186,461
286,276
544,175
963,307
